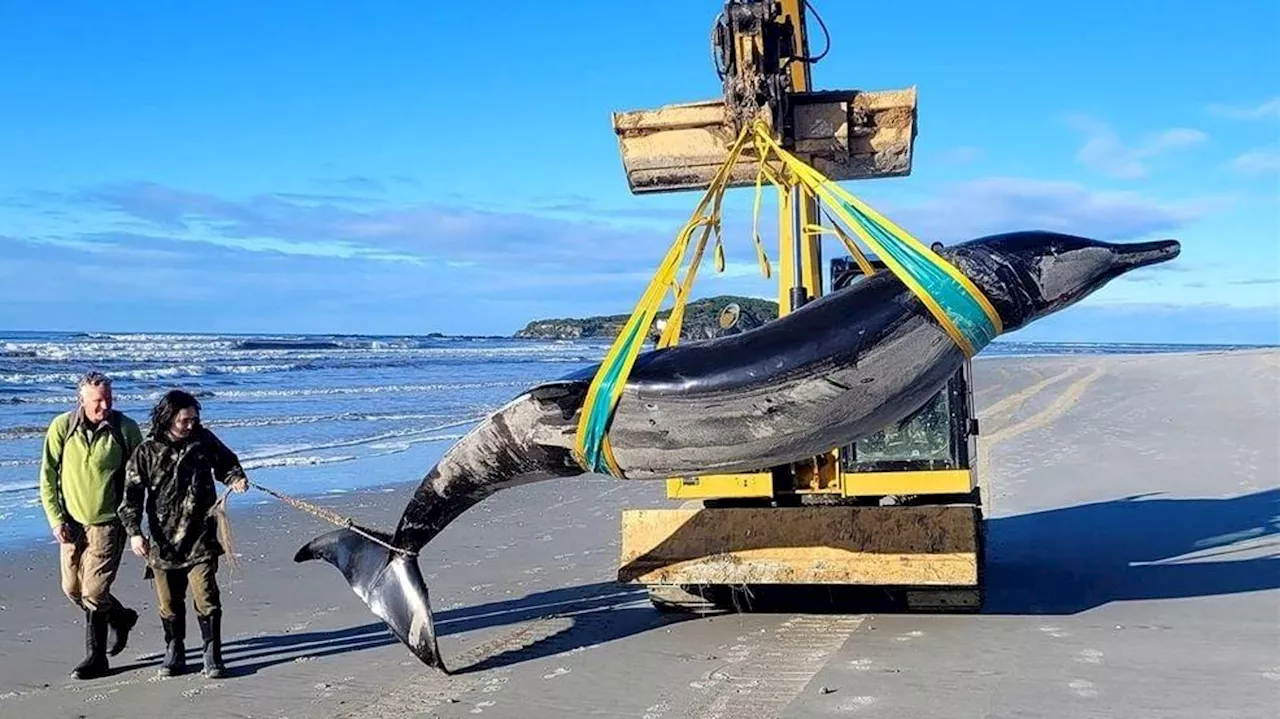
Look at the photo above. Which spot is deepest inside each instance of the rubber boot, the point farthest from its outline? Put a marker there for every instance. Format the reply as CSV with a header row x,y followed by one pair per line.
x,y
95,646
211,632
122,620
175,654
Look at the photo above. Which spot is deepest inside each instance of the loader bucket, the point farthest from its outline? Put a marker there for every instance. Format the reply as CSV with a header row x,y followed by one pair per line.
x,y
844,134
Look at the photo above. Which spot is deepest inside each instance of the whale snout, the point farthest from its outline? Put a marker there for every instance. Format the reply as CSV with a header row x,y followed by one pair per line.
x,y
1142,254
1029,275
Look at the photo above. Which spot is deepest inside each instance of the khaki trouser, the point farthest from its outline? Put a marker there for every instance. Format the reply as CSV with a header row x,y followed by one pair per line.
x,y
171,589
89,565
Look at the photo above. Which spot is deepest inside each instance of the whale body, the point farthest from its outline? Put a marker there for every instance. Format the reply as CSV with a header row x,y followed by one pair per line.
x,y
840,368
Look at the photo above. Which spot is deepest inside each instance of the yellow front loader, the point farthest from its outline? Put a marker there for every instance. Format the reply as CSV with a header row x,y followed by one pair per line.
x,y
899,510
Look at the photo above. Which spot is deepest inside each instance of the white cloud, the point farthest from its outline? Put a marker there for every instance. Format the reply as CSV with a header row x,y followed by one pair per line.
x,y
273,253
1002,204
963,155
521,243
1104,151
1188,321
1257,162
1267,109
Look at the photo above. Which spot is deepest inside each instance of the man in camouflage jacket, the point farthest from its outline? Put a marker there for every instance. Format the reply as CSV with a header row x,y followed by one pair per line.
x,y
170,478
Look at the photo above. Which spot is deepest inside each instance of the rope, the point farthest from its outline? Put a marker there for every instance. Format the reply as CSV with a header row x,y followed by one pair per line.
x,y
225,537
331,517
219,512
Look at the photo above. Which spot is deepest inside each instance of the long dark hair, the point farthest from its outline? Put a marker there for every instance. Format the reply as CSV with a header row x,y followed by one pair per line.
x,y
173,402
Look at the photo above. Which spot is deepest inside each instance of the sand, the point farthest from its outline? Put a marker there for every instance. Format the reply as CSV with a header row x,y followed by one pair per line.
x,y
1134,504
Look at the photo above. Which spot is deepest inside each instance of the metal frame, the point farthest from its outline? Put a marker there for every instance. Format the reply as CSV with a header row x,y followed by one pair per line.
x,y
961,425
754,528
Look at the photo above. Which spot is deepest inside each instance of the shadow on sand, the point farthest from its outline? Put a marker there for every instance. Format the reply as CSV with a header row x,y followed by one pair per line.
x,y
1060,561
1069,560
589,614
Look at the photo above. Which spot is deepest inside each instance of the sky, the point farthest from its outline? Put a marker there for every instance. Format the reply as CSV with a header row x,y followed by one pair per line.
x,y
450,167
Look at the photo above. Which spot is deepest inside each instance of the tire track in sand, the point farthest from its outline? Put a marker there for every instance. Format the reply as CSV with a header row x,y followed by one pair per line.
x,y
1008,405
1060,406
775,671
486,667
420,695
755,688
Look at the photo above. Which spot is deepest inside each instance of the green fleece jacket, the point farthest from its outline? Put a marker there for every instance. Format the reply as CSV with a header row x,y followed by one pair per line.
x,y
85,485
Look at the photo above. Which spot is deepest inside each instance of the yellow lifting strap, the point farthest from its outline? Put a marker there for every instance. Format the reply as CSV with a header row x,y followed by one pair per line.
x,y
958,305
592,449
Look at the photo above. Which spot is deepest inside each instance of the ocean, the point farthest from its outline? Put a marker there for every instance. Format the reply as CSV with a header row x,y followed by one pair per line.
x,y
308,415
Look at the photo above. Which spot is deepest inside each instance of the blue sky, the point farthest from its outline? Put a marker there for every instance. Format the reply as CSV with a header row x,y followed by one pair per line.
x,y
420,167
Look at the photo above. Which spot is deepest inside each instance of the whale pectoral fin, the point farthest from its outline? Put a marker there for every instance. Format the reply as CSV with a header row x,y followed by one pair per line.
x,y
389,583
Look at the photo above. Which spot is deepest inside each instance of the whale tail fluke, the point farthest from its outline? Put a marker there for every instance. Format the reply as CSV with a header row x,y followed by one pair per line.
x,y
390,583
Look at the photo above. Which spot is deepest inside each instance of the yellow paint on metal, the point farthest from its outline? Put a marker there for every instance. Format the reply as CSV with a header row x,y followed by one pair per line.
x,y
846,134
786,252
822,475
711,486
807,207
793,10
818,475
810,262
875,484
936,546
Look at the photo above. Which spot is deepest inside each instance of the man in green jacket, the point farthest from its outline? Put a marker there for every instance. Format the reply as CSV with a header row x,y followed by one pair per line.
x,y
81,484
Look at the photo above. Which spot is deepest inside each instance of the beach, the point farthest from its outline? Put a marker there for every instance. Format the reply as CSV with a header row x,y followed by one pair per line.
x,y
1132,503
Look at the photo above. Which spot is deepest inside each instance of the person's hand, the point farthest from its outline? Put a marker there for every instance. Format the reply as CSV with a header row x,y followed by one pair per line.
x,y
62,533
139,546
240,485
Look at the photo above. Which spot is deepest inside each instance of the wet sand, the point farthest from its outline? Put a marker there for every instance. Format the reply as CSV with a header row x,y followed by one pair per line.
x,y
1133,504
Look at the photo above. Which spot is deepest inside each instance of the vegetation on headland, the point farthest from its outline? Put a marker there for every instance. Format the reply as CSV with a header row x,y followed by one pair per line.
x,y
701,321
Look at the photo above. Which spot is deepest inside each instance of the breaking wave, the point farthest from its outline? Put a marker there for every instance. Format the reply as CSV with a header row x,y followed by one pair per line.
x,y
38,431
190,370
309,409
410,432
294,461
279,393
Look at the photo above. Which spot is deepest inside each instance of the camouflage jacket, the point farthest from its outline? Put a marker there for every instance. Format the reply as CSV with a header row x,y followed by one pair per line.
x,y
173,483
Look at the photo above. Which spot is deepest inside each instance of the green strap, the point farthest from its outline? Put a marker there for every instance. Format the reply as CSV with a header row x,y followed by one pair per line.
x,y
958,303
601,412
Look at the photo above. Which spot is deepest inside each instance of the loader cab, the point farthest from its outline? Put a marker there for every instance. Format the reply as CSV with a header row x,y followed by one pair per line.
x,y
938,437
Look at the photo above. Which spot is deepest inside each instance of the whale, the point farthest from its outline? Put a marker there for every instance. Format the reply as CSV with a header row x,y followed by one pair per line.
x,y
837,369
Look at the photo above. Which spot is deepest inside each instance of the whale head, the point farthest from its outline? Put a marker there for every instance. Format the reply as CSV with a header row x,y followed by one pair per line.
x,y
1028,275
